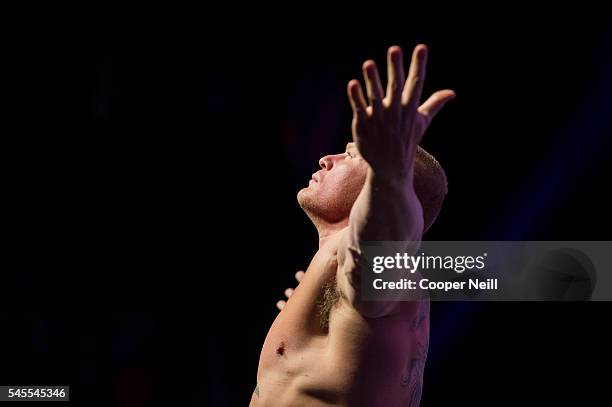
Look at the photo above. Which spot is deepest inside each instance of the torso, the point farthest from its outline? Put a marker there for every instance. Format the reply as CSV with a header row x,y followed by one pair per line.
x,y
352,362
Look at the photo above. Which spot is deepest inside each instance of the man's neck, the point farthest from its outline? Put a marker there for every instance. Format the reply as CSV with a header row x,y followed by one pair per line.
x,y
326,231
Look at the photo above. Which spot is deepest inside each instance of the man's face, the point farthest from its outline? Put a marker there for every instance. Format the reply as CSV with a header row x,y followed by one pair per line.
x,y
334,188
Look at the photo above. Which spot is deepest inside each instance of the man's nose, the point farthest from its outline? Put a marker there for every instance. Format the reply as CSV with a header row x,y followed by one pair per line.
x,y
328,161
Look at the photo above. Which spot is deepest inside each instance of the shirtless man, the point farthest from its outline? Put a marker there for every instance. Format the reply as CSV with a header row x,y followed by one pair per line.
x,y
327,347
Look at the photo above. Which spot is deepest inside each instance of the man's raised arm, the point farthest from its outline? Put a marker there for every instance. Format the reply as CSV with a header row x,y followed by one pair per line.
x,y
387,130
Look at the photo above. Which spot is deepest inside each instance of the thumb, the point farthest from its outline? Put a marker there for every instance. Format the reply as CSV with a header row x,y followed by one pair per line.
x,y
436,102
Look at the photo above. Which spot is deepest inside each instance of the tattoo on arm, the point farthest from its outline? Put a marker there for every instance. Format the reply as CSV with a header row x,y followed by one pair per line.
x,y
256,391
413,376
420,317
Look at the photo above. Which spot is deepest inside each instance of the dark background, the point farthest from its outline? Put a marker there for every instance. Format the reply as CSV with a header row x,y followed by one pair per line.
x,y
150,183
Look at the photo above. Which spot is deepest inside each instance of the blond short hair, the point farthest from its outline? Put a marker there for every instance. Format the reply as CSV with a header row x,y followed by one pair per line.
x,y
430,184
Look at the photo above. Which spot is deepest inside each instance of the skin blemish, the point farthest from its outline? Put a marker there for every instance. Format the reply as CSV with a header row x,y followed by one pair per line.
x,y
280,351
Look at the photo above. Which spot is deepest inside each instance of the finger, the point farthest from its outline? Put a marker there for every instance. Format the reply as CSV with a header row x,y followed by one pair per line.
x,y
373,86
357,100
288,292
413,89
395,75
436,102
299,276
281,304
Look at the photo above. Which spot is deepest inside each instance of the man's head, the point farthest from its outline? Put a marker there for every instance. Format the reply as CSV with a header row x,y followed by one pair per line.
x,y
333,189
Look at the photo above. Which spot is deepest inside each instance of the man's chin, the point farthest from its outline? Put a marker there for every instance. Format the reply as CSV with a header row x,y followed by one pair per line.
x,y
302,195
305,197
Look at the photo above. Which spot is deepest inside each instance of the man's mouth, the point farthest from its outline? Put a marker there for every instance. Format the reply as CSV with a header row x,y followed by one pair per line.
x,y
315,177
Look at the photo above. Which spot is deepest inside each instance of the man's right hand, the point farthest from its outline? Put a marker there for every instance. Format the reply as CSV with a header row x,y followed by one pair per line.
x,y
299,276
387,128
